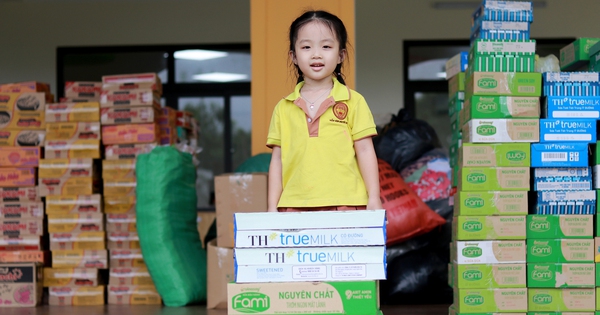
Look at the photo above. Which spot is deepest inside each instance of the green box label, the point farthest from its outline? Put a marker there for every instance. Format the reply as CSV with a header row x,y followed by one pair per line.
x,y
560,226
560,250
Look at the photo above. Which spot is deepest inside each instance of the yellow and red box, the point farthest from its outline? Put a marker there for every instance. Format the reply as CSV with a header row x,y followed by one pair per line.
x,y
73,131
78,241
129,276
73,204
83,89
129,115
118,169
121,222
28,86
17,176
22,121
64,149
127,151
26,102
20,242
72,223
69,186
22,226
22,138
22,210
73,112
130,98
76,296
84,277
120,187
133,295
122,240
66,168
119,204
132,81
132,133
127,258
80,259
20,156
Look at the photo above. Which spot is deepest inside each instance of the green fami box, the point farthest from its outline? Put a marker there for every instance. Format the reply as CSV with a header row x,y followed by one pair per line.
x,y
597,274
562,300
551,275
561,313
490,300
452,311
450,274
490,276
560,226
495,106
576,55
454,107
504,83
456,84
495,154
560,250
469,228
494,178
490,203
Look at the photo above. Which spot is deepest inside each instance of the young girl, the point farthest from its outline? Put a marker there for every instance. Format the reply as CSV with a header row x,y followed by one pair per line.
x,y
323,156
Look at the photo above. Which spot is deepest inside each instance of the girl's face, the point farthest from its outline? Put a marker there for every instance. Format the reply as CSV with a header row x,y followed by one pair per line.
x,y
317,52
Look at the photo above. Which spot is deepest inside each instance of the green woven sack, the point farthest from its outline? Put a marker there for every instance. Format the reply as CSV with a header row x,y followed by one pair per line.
x,y
166,223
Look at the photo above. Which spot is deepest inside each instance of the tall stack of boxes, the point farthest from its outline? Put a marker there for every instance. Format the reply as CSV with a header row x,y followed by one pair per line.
x,y
70,182
22,247
323,261
130,112
499,120
455,74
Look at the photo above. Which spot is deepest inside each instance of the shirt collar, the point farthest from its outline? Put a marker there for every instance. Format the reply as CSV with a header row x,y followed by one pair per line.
x,y
339,92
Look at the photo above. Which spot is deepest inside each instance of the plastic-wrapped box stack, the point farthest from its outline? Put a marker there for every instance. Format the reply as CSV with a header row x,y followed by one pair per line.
x,y
455,74
308,262
22,249
499,120
130,112
70,182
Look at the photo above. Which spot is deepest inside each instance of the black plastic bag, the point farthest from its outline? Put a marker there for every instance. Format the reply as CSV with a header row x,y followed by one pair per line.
x,y
404,139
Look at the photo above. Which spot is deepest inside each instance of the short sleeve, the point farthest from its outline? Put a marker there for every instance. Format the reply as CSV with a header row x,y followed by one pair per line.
x,y
363,124
274,135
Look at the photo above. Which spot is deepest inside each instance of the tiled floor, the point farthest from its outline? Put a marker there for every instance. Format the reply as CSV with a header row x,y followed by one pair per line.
x,y
191,310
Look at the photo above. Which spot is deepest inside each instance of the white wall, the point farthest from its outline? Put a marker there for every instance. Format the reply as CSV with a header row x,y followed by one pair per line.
x,y
30,31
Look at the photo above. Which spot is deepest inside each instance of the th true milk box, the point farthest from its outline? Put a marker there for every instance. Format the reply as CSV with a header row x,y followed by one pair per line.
x,y
566,202
552,275
560,250
490,252
490,300
562,300
568,130
458,63
562,154
581,83
309,220
489,276
560,226
494,178
495,106
504,83
349,298
501,130
494,154
469,203
572,107
310,237
310,255
562,178
467,228
304,273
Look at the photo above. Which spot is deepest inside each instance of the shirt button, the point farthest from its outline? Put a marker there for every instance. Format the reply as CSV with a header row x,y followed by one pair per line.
x,y
309,119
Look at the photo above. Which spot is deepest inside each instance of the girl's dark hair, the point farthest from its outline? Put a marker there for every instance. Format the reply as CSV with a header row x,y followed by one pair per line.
x,y
337,28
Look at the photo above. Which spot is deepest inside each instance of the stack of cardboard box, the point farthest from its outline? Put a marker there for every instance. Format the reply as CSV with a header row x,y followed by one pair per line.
x,y
130,112
70,182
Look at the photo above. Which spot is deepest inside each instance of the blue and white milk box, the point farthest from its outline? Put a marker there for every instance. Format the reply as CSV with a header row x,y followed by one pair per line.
x,y
560,154
568,130
572,107
566,202
562,178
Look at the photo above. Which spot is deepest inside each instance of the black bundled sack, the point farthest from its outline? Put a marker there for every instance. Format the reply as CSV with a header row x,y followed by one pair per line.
x,y
404,139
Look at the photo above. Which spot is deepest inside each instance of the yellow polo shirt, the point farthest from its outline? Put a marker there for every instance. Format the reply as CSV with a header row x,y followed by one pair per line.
x,y
319,166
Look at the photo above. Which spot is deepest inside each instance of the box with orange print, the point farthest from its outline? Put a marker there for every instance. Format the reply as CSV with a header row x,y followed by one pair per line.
x,y
21,243
119,204
73,131
130,133
122,240
17,177
131,81
73,204
127,258
77,241
55,277
69,186
72,223
70,111
74,149
133,295
129,98
19,194
127,151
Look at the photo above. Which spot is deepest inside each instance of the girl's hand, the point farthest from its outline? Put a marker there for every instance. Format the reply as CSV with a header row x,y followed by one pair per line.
x,y
374,204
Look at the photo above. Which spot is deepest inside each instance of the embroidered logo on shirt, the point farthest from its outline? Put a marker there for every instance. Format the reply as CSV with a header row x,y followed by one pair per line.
x,y
340,110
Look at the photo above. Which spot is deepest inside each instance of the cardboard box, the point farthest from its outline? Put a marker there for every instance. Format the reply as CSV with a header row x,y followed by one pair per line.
x,y
504,83
350,298
321,272
80,259
119,204
22,210
83,89
19,194
494,178
560,226
127,258
132,133
23,120
17,227
28,86
132,81
458,63
562,300
566,202
489,276
572,107
310,237
58,277
20,156
491,203
73,131
184,119
501,63
310,255
130,276
560,250
490,300
129,115
77,241
36,256
490,252
20,242
133,295
220,272
68,186
21,102
501,130
508,47
73,112
455,106
72,204
72,223
550,275
16,177
568,130
456,83
127,151
494,154
66,168
128,98
167,116
21,285
562,178
565,154
118,169
576,54
205,220
467,228
120,187
168,135
76,296
72,149
235,193
121,223
488,107
596,249
581,83
123,240
22,138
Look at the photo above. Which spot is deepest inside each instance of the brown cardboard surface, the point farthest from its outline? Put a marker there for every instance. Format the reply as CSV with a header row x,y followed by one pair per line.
x,y
73,130
20,242
71,111
21,285
54,277
237,192
22,226
17,177
133,295
128,115
72,204
80,259
205,220
20,156
83,89
61,149
19,194
72,295
37,256
220,271
130,133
